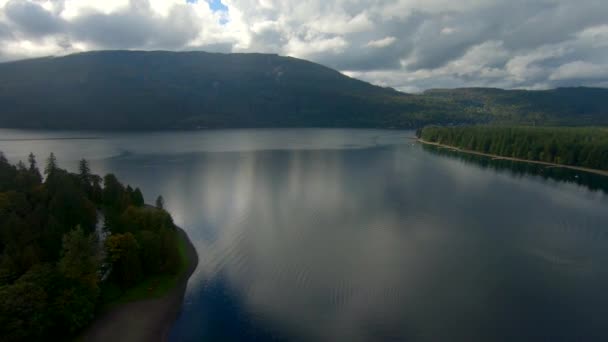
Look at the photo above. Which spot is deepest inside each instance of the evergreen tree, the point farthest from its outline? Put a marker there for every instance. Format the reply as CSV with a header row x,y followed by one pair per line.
x,y
51,164
79,260
21,166
32,160
34,168
138,198
123,253
84,171
113,192
96,190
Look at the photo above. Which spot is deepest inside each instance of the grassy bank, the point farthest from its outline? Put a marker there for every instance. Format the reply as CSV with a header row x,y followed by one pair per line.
x,y
146,312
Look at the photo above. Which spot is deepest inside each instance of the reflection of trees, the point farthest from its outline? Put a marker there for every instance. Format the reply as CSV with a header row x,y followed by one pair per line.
x,y
592,181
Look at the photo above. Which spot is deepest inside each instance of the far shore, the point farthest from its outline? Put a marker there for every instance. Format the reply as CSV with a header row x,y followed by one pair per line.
x,y
147,320
498,157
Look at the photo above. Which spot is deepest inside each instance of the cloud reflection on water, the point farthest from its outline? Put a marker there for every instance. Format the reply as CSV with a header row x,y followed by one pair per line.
x,y
361,235
358,245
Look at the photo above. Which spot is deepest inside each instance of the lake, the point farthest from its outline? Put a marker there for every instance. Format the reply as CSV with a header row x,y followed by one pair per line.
x,y
362,235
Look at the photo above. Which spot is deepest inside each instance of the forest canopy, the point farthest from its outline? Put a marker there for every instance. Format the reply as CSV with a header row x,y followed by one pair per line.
x,y
67,236
584,147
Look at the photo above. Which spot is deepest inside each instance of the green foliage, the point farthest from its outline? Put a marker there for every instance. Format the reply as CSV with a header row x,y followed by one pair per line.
x,y
50,269
33,169
84,171
150,232
69,201
51,164
79,260
75,307
123,252
42,304
113,194
584,147
146,218
23,311
153,286
137,198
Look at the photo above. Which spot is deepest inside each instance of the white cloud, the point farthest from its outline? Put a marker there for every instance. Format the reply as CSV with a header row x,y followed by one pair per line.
x,y
596,36
380,43
303,48
580,70
76,8
447,30
526,65
342,24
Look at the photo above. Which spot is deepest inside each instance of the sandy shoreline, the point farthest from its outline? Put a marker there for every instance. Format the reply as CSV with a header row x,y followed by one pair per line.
x,y
497,157
146,320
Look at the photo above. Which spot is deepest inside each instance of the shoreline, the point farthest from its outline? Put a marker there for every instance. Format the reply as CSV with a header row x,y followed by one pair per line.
x,y
498,157
148,319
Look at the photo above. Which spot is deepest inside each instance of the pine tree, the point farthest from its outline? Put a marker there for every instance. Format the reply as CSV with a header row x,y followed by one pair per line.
x,y
79,259
138,198
51,164
85,171
21,166
160,202
34,168
32,160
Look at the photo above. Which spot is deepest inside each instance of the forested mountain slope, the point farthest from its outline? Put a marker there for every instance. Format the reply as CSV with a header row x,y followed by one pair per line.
x,y
561,106
124,89
162,90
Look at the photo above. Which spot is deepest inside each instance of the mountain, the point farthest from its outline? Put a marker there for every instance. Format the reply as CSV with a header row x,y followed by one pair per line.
x,y
160,89
134,89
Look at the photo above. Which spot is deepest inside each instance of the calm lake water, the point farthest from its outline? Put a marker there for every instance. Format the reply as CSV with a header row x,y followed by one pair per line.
x,y
363,235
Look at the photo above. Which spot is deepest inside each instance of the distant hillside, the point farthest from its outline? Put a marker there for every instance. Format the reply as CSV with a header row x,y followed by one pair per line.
x,y
124,89
562,106
159,90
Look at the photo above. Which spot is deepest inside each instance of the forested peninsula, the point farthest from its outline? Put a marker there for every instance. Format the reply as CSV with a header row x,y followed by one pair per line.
x,y
74,245
569,146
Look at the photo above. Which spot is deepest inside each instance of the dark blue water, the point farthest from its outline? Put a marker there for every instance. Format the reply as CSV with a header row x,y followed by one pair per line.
x,y
363,235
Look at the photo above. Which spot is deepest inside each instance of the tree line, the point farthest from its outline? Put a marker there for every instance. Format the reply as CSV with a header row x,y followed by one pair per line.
x,y
584,147
53,264
589,180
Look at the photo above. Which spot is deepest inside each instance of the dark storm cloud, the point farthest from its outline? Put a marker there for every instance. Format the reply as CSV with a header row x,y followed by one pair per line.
x,y
552,22
136,27
31,19
5,32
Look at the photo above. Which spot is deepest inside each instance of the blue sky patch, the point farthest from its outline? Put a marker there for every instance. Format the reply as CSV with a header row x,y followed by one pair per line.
x,y
217,5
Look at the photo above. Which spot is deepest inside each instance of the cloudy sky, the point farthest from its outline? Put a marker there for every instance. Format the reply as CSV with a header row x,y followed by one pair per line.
x,y
411,45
